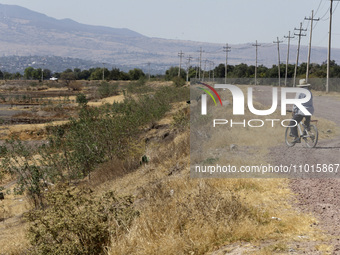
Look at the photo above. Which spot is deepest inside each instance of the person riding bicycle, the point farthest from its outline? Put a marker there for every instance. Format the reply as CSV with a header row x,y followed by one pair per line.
x,y
298,115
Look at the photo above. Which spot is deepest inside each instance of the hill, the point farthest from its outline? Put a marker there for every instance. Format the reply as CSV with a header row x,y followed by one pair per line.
x,y
25,33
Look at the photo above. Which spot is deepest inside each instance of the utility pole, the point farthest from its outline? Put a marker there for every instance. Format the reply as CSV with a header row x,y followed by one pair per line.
x,y
298,50
200,63
226,49
310,42
287,62
189,60
180,54
329,44
205,67
278,52
256,45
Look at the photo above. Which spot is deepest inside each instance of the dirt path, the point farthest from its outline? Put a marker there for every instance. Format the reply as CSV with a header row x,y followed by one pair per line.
x,y
321,197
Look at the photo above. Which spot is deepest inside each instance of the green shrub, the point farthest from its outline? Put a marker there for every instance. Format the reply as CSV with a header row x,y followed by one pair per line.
x,y
19,162
181,120
76,222
178,81
81,99
106,89
3,150
139,87
98,135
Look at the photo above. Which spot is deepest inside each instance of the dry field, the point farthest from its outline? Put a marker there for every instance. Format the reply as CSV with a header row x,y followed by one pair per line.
x,y
180,215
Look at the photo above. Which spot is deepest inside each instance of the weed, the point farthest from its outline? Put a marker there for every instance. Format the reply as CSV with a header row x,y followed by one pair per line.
x,y
75,222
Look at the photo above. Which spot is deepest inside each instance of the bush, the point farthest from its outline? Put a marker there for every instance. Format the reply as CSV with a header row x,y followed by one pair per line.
x,y
75,222
106,90
75,86
19,162
81,99
181,120
99,134
178,82
3,150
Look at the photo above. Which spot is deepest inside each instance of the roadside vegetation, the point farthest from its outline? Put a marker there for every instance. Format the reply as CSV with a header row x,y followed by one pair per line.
x,y
114,179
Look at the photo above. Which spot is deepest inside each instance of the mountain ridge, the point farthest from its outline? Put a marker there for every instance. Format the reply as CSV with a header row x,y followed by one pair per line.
x,y
24,33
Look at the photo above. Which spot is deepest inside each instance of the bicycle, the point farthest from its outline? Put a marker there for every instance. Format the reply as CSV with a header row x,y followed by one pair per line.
x,y
309,136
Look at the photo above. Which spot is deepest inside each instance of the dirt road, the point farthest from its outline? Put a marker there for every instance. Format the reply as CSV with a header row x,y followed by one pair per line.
x,y
321,197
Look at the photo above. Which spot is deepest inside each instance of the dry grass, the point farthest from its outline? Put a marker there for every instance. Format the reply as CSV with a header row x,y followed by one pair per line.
x,y
180,215
27,132
107,100
12,228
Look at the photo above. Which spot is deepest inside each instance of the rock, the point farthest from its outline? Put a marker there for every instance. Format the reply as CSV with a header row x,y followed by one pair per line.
x,y
233,147
329,131
276,218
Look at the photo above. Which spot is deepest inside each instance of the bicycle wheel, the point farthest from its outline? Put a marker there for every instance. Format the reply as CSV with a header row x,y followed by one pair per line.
x,y
311,138
289,139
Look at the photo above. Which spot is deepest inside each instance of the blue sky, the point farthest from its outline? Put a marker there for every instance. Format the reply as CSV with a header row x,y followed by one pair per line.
x,y
218,21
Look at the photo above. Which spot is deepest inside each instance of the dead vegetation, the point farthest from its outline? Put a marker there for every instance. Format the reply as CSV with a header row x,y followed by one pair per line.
x,y
176,214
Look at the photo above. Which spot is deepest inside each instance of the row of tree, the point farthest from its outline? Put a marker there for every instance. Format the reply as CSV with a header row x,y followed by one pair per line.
x,y
245,71
98,73
234,71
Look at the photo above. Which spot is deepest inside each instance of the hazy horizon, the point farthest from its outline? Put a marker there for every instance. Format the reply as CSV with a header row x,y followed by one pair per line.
x,y
215,21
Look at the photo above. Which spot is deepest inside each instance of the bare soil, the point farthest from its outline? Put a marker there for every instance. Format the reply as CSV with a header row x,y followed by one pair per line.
x,y
319,196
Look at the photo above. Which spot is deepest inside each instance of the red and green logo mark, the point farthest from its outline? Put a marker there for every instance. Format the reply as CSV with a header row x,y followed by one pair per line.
x,y
208,92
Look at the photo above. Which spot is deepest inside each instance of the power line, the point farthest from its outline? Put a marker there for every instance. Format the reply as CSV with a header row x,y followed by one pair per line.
x,y
318,7
288,37
180,54
226,49
256,46
298,50
311,19
200,63
278,51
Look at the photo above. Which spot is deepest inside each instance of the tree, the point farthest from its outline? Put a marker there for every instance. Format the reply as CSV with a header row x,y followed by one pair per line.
x,y
84,75
67,76
124,76
47,73
220,71
240,71
77,72
36,74
136,74
28,73
17,76
173,72
114,74
97,74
